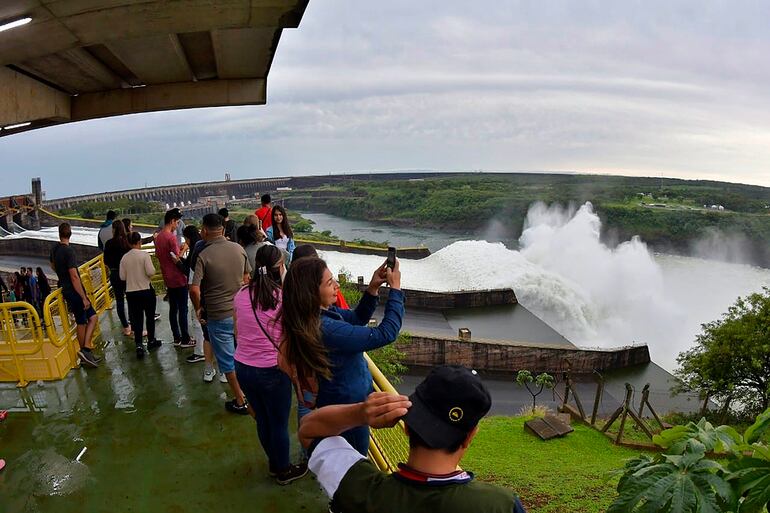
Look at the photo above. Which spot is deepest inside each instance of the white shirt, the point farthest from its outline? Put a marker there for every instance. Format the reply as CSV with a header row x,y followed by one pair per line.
x,y
282,243
331,460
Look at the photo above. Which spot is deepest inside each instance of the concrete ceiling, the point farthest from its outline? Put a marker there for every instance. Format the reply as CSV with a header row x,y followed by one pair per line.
x,y
86,59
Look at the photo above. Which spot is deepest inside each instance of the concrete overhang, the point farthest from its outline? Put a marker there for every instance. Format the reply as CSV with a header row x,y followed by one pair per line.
x,y
87,59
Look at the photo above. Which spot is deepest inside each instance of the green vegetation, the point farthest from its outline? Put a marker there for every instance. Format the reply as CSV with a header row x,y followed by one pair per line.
x,y
731,358
564,474
389,359
669,214
685,479
139,211
524,378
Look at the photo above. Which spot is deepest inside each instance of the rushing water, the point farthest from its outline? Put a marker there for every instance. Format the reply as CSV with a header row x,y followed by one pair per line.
x,y
594,295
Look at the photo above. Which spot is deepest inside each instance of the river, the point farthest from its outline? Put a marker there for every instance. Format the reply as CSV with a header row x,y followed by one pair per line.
x,y
596,296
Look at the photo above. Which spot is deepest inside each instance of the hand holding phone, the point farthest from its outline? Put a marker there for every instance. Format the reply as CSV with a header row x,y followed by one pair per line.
x,y
393,275
390,262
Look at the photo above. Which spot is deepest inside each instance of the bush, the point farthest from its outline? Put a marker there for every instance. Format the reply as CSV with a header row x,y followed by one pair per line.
x,y
685,479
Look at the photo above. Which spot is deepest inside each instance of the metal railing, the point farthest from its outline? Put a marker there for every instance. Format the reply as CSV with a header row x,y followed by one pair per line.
x,y
387,447
32,348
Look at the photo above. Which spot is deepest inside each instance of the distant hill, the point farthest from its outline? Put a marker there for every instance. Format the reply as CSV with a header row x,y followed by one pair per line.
x,y
671,215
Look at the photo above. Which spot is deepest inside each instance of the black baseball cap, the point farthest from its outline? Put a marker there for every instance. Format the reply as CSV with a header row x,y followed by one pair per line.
x,y
447,405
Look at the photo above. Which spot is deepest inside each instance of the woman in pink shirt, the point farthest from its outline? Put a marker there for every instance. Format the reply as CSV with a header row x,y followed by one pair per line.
x,y
267,388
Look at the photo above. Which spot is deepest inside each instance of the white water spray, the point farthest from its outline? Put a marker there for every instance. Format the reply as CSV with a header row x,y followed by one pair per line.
x,y
594,295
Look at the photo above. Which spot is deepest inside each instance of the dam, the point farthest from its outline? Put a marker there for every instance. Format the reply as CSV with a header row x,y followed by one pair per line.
x,y
503,335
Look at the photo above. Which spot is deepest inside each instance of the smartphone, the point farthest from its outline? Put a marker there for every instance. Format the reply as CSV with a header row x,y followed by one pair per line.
x,y
172,254
391,260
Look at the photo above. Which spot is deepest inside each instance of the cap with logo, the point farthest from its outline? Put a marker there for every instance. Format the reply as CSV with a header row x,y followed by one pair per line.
x,y
447,405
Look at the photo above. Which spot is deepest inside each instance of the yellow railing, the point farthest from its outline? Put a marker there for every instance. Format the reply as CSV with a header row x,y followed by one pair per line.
x,y
387,447
33,350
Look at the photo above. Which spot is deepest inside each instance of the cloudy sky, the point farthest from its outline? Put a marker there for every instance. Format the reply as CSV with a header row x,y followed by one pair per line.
x,y
641,88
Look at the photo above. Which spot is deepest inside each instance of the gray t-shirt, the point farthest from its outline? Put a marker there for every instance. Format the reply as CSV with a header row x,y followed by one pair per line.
x,y
219,273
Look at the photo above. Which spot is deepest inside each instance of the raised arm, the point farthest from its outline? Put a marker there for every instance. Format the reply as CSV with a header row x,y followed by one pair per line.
x,y
380,410
347,337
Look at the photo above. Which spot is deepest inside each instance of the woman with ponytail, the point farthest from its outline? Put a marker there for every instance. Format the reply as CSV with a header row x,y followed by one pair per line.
x,y
326,343
268,389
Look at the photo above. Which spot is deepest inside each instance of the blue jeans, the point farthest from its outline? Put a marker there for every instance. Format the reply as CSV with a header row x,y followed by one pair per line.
x,y
222,342
177,314
268,391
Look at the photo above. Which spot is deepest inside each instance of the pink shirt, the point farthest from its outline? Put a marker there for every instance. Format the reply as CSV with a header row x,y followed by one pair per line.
x,y
254,348
165,243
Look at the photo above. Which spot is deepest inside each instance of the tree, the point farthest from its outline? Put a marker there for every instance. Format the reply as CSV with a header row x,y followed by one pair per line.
x,y
544,380
731,358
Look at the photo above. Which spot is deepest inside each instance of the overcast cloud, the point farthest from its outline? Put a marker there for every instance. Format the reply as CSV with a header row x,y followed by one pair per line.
x,y
650,88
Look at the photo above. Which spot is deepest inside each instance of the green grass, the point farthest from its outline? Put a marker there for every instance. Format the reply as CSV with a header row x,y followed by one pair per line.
x,y
564,474
632,433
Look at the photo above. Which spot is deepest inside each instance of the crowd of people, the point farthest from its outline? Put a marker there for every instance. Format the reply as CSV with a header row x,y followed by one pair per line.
x,y
26,285
270,316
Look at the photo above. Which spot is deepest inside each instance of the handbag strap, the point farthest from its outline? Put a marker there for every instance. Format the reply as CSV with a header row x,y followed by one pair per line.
x,y
256,317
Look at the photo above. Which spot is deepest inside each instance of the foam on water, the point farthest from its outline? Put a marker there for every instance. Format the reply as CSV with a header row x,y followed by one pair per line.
x,y
594,295
80,235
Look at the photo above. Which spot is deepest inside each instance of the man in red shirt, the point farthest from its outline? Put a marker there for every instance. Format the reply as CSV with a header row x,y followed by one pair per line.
x,y
265,213
166,244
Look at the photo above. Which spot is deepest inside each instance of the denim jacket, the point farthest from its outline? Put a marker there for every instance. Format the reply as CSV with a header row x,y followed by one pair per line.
x,y
346,337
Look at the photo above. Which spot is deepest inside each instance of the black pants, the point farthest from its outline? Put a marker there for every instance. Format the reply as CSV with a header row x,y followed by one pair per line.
x,y
141,306
119,289
177,313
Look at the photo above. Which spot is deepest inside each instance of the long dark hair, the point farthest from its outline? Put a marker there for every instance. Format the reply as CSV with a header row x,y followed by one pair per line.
x,y
285,228
41,277
265,284
119,233
246,235
191,232
301,319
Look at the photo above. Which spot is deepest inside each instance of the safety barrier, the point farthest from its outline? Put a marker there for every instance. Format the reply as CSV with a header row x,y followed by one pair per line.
x,y
390,446
34,349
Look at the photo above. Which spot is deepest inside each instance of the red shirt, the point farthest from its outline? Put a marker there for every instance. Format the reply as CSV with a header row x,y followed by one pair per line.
x,y
341,301
166,243
265,214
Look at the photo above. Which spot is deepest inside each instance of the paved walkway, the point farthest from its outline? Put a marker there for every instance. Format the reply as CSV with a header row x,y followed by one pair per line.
x,y
158,439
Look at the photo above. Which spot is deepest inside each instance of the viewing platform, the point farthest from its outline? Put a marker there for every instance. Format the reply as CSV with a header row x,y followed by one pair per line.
x,y
158,439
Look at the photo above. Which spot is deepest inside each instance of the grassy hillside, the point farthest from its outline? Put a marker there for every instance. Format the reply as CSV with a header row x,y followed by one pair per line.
x,y
669,214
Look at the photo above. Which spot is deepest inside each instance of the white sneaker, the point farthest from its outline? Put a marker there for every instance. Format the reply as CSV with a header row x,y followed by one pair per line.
x,y
222,378
208,375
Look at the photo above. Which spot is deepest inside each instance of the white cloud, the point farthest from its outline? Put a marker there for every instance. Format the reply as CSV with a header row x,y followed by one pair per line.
x,y
654,88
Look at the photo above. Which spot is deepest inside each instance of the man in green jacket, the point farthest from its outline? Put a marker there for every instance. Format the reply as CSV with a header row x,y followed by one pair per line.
x,y
441,418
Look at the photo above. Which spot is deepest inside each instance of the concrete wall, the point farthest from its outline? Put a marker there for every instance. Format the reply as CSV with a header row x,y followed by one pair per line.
x,y
239,188
346,247
42,249
429,351
449,300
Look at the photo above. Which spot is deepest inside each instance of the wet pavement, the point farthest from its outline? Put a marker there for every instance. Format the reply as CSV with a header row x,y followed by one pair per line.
x,y
158,440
